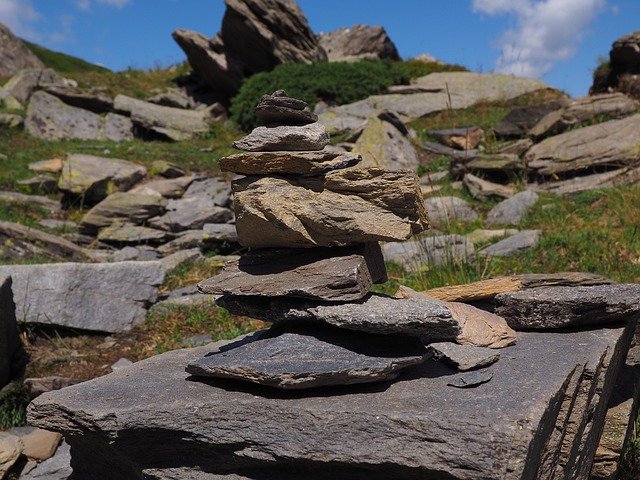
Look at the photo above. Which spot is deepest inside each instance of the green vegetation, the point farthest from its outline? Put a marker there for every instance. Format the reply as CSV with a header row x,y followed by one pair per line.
x,y
335,83
13,406
61,62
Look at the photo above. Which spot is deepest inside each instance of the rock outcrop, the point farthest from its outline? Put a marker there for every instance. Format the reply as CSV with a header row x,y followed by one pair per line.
x,y
622,73
14,54
357,43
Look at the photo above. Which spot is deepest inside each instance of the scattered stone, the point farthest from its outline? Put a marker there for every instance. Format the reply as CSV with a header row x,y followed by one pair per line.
x,y
483,189
175,98
470,380
14,54
607,144
459,138
53,165
166,169
463,357
38,386
426,318
385,143
345,207
127,233
520,120
313,357
121,364
433,177
57,467
40,183
173,260
518,147
415,254
445,210
293,163
332,274
482,236
18,241
280,109
437,149
210,235
562,306
513,245
45,202
610,179
103,297
313,136
357,43
93,178
40,444
94,101
122,207
497,165
349,430
512,210
55,224
216,189
13,358
190,213
169,188
10,120
10,449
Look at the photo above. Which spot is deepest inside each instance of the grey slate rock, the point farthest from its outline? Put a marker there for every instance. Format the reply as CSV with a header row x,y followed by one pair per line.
x,y
443,210
470,380
561,307
15,54
512,210
545,386
129,234
279,109
513,245
93,101
332,274
24,83
313,357
103,297
419,252
464,357
189,214
122,207
57,467
266,139
520,120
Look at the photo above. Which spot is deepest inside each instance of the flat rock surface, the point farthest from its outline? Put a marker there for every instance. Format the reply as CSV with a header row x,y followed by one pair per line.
x,y
464,357
513,245
579,306
18,241
336,274
265,139
313,357
344,207
104,297
283,162
382,144
416,427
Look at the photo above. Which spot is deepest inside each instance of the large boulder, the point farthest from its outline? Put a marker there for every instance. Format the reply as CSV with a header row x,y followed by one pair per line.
x,y
13,358
256,36
358,42
14,54
24,83
104,297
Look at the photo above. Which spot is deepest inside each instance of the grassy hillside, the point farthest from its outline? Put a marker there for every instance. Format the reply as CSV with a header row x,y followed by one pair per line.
x,y
62,62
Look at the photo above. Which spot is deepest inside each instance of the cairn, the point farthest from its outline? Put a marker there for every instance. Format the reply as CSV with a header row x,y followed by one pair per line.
x,y
313,220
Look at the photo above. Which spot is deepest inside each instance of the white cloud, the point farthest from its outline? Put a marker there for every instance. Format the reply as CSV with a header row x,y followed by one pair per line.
x,y
19,16
84,5
548,31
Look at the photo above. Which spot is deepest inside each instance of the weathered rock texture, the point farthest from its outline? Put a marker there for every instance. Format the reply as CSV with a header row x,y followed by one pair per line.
x,y
542,411
13,358
23,84
14,54
336,274
559,307
345,207
122,207
358,42
417,253
20,242
313,136
292,163
613,178
513,245
105,297
280,109
520,120
512,210
463,357
313,357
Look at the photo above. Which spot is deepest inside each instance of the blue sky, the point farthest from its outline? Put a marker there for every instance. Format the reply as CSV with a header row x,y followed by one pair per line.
x,y
559,41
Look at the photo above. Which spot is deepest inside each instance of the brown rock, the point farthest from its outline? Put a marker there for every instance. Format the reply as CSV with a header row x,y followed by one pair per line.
x,y
358,42
40,444
10,450
313,136
481,328
280,109
345,207
482,189
459,138
295,163
499,165
38,386
122,207
53,165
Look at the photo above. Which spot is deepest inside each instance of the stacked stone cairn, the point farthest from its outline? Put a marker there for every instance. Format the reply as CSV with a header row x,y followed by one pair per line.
x,y
312,219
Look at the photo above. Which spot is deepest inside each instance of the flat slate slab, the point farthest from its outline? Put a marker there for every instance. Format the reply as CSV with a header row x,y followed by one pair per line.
x,y
341,274
464,357
312,357
540,414
294,163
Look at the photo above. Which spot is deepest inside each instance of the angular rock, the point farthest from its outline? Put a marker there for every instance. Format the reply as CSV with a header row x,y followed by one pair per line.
x,y
520,120
345,207
103,297
459,138
24,83
10,449
280,109
438,149
173,123
482,189
358,42
95,102
40,183
488,289
122,207
444,210
174,97
293,163
54,224
18,241
53,165
513,245
607,144
178,258
93,178
40,444
427,318
38,386
13,358
127,233
625,53
518,147
333,274
560,307
168,188
57,467
45,202
212,234
498,165
382,144
463,357
610,179
415,254
512,210
313,136
470,380
352,432
117,128
190,213
313,357
215,189
14,54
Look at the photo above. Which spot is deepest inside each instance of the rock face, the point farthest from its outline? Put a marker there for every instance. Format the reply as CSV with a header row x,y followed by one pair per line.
x,y
23,84
607,144
95,102
290,163
358,42
286,137
103,297
345,207
324,274
557,307
256,36
13,358
93,178
51,119
14,54
314,357
543,409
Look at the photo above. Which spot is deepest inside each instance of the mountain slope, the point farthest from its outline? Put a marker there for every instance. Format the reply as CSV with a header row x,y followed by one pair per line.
x,y
62,62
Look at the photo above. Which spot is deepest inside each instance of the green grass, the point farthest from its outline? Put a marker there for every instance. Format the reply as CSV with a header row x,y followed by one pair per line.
x,y
62,62
13,406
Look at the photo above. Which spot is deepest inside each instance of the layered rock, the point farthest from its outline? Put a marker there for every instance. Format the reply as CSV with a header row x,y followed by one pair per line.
x,y
357,43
